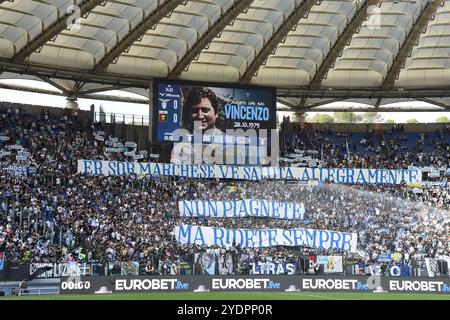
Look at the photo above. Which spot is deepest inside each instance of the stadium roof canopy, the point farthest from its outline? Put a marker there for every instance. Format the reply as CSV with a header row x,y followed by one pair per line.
x,y
373,52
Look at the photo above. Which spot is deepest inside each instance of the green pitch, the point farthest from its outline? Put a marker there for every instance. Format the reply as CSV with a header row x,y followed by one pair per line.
x,y
242,296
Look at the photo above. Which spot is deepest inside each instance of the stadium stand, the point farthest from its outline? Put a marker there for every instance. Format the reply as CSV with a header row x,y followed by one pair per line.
x,y
51,214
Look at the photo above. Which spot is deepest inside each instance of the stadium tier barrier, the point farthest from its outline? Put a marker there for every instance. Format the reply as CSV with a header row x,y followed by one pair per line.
x,y
205,263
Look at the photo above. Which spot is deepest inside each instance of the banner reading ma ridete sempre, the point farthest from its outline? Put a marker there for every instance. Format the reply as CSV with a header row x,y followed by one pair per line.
x,y
262,238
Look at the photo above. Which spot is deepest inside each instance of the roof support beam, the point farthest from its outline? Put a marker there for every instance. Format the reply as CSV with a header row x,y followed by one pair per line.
x,y
77,95
303,108
227,18
302,102
378,103
112,98
321,103
75,75
54,84
301,9
284,110
78,85
436,103
411,40
103,89
352,27
286,103
53,30
373,109
283,92
139,31
416,93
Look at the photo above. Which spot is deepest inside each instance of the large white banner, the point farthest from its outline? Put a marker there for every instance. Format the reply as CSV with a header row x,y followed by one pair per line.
x,y
263,238
199,171
242,209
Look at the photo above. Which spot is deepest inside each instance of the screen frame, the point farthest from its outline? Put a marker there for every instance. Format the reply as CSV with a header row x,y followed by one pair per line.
x,y
227,85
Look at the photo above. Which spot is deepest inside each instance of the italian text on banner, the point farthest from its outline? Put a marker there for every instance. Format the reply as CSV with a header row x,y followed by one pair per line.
x,y
203,171
242,209
263,238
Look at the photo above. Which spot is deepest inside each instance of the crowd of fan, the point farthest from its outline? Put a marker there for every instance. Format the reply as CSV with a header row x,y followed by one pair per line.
x,y
374,150
385,150
57,215
435,196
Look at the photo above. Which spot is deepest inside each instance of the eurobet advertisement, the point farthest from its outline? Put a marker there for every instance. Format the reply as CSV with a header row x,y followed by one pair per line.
x,y
178,105
255,283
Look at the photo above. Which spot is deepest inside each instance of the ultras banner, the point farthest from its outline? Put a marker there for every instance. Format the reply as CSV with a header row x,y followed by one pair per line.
x,y
262,283
242,209
197,171
262,238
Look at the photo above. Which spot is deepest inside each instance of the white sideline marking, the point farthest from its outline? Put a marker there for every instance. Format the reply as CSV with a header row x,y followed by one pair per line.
x,y
317,296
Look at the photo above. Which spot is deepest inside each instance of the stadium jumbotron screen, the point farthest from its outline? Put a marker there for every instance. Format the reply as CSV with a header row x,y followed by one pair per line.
x,y
218,107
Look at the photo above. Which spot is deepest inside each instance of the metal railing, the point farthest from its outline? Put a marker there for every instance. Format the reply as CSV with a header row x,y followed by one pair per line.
x,y
120,118
38,291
